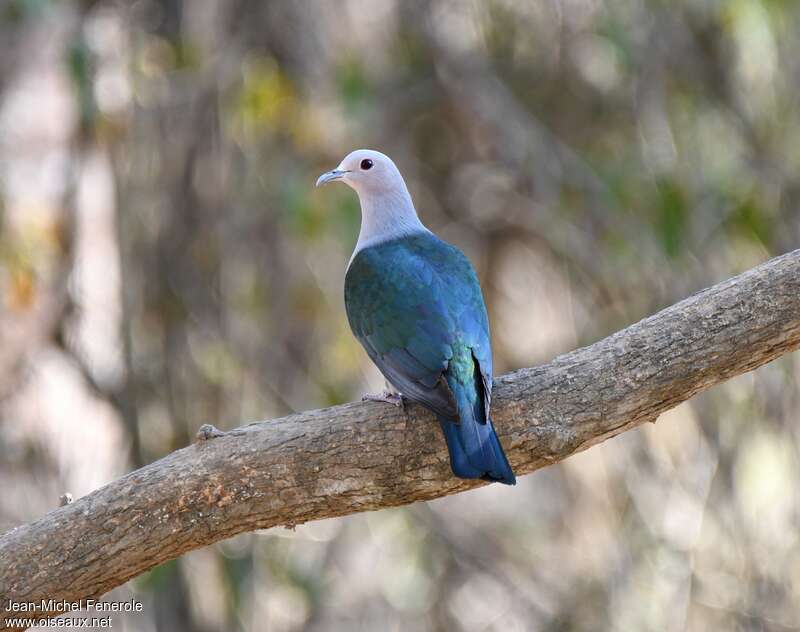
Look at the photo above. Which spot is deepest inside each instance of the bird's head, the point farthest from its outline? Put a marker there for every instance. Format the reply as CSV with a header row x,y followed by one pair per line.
x,y
367,172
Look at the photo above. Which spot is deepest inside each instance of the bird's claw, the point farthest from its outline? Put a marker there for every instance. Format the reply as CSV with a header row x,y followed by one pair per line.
x,y
395,399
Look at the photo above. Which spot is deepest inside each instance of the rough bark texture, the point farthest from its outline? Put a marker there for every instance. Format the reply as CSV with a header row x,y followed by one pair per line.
x,y
365,456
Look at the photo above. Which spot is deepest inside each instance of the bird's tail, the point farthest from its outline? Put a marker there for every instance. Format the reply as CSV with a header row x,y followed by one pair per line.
x,y
475,451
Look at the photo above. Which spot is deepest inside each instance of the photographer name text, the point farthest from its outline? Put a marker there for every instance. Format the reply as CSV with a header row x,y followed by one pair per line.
x,y
62,605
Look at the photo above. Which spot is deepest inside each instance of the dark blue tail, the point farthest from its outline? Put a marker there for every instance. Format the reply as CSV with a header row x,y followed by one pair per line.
x,y
475,451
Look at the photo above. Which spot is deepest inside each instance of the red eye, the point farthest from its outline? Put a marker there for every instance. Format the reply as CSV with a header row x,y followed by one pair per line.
x,y
366,164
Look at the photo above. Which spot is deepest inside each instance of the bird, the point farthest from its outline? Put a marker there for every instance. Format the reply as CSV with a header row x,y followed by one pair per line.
x,y
414,303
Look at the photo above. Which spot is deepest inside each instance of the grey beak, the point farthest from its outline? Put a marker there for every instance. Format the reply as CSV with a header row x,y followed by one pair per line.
x,y
331,176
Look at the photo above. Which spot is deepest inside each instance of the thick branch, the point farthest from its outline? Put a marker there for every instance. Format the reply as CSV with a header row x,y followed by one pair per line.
x,y
365,456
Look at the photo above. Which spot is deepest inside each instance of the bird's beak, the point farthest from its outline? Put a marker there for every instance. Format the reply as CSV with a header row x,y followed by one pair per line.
x,y
331,176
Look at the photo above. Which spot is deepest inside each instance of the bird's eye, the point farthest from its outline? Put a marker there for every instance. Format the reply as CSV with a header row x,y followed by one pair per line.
x,y
366,164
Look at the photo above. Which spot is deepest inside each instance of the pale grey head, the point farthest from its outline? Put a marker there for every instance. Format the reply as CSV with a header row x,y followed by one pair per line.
x,y
387,211
367,172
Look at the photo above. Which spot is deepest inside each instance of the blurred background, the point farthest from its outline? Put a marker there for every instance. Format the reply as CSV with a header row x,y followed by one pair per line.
x,y
165,261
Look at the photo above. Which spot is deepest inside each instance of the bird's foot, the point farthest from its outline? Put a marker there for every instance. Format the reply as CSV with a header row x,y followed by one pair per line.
x,y
395,399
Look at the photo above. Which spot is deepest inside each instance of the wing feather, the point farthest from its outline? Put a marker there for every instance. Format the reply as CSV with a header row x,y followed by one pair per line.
x,y
408,302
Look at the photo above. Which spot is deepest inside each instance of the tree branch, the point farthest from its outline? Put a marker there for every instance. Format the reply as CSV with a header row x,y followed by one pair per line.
x,y
366,456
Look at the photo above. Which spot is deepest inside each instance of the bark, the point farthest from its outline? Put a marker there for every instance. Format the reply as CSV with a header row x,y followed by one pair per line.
x,y
366,456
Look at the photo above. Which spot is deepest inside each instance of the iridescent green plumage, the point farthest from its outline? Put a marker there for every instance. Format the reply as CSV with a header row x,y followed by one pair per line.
x,y
416,306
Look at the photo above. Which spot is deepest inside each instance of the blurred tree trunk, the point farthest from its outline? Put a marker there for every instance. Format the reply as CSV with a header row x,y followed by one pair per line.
x,y
365,456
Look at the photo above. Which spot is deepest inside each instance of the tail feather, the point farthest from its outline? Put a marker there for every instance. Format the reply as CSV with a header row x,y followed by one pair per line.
x,y
475,450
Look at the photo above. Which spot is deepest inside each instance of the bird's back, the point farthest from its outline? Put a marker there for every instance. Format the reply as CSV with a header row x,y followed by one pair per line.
x,y
420,294
416,306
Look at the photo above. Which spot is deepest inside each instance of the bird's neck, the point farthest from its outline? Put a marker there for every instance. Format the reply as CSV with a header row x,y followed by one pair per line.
x,y
386,216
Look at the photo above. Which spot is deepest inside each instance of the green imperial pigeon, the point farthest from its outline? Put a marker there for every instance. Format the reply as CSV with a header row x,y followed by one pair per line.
x,y
415,305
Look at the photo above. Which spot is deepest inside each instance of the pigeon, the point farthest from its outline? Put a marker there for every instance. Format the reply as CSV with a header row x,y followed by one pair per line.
x,y
414,303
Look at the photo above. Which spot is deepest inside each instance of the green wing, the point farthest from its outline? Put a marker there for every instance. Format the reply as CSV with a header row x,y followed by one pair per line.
x,y
414,303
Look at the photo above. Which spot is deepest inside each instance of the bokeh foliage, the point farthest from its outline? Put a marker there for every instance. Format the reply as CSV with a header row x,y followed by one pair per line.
x,y
165,262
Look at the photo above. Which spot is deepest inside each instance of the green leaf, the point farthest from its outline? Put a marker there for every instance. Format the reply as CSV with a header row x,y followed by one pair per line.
x,y
352,84
750,220
672,217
